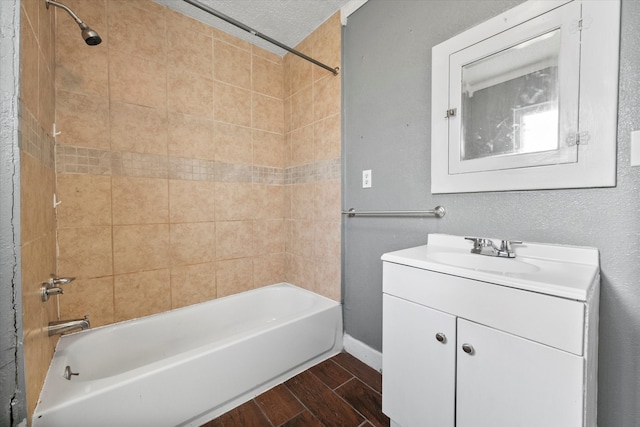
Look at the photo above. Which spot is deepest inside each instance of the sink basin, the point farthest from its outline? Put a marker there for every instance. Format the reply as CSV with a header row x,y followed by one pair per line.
x,y
483,262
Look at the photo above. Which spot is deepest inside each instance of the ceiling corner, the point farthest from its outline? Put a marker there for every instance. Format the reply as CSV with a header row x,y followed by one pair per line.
x,y
349,8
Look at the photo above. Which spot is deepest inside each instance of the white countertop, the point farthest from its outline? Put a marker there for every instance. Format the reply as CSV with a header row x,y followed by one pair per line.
x,y
563,271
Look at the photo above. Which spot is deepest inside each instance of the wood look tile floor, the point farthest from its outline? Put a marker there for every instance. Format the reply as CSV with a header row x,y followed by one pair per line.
x,y
339,392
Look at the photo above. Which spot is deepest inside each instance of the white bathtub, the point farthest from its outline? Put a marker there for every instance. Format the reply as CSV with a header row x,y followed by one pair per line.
x,y
187,366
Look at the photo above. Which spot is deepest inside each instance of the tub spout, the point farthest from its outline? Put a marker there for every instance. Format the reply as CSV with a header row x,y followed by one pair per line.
x,y
63,326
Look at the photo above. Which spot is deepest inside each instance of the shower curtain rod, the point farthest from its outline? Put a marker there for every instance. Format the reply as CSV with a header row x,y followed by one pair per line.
x,y
248,29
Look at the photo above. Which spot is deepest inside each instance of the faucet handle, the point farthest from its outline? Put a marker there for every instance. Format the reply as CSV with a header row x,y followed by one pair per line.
x,y
505,248
47,291
477,243
52,286
505,245
54,280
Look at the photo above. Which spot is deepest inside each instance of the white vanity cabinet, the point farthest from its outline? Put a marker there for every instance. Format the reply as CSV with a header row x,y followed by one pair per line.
x,y
459,351
409,332
508,380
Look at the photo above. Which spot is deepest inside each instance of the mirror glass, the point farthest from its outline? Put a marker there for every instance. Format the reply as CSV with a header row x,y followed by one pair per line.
x,y
510,100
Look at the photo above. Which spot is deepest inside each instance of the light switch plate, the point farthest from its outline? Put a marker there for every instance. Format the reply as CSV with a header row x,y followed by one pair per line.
x,y
635,148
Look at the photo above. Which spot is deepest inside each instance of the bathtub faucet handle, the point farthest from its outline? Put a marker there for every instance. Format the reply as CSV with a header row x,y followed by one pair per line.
x,y
57,281
52,286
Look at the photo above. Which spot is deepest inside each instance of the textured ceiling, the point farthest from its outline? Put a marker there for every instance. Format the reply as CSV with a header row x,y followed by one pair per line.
x,y
287,21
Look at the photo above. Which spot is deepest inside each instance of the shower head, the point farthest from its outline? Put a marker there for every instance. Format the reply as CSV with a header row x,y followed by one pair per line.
x,y
90,36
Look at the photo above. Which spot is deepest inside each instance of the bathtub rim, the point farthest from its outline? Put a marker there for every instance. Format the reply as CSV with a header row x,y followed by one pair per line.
x,y
327,300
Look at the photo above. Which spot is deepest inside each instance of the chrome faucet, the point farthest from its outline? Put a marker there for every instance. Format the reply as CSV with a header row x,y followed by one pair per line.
x,y
57,281
52,286
483,246
62,326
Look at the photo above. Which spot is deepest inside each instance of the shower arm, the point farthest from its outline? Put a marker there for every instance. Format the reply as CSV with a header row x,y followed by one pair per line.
x,y
79,21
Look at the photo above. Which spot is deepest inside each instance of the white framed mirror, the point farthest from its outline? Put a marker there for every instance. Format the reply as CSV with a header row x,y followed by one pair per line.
x,y
514,100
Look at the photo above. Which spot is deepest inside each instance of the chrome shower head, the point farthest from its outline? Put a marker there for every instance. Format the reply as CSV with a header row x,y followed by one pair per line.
x,y
90,36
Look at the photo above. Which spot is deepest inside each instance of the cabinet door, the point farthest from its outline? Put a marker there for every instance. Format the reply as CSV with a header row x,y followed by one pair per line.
x,y
506,380
418,370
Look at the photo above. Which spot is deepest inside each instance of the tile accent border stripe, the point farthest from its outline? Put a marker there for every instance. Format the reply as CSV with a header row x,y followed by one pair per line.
x,y
81,160
33,139
322,170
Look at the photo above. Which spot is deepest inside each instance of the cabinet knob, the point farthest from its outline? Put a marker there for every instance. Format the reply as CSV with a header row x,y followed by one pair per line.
x,y
468,348
442,338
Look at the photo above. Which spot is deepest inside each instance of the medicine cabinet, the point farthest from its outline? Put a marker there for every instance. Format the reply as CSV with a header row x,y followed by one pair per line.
x,y
528,100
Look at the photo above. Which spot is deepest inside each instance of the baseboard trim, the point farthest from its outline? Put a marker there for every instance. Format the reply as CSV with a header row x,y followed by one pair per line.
x,y
362,352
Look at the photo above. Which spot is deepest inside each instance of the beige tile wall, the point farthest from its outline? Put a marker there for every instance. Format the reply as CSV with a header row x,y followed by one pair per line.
x,y
313,138
37,185
175,165
190,165
164,202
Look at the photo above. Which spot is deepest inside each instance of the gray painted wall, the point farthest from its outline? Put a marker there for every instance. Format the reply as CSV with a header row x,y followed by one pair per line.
x,y
387,90
13,408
